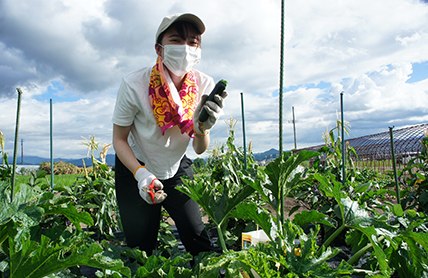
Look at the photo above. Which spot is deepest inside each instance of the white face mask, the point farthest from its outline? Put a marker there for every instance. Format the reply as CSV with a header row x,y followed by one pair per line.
x,y
180,59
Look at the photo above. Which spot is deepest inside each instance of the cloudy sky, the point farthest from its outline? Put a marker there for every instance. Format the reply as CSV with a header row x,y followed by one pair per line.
x,y
75,52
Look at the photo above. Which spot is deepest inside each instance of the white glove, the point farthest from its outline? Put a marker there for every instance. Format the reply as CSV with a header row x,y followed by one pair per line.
x,y
214,110
149,187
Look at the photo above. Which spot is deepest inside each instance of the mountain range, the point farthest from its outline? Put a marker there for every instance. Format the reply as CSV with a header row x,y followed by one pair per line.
x,y
35,160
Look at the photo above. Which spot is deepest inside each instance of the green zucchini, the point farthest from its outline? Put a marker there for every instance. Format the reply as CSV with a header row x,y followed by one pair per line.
x,y
218,89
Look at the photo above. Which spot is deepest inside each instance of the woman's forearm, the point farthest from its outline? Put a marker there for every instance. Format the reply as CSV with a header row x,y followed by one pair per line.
x,y
201,143
122,148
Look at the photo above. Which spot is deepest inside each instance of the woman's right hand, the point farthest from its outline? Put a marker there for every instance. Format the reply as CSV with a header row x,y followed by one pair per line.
x,y
149,187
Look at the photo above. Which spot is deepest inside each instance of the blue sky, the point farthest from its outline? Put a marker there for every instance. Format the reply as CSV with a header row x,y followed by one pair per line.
x,y
55,91
420,72
76,52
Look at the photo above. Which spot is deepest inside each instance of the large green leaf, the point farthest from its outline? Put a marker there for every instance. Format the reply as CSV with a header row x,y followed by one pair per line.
x,y
36,260
251,211
258,185
371,234
217,204
158,266
202,194
355,217
350,210
418,245
270,260
420,238
248,260
401,262
317,266
217,200
356,240
19,209
331,190
313,216
282,172
76,217
285,174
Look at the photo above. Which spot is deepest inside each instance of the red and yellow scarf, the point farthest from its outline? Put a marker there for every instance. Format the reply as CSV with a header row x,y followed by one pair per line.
x,y
167,112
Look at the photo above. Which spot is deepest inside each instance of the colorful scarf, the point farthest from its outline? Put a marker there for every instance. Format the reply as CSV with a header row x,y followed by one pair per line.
x,y
167,112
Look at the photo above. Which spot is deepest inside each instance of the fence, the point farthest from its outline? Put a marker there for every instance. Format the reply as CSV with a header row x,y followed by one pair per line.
x,y
374,151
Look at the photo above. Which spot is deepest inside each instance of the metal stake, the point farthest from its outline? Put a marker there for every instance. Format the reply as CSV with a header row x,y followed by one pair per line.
x,y
15,148
281,74
51,142
394,165
294,129
243,130
343,141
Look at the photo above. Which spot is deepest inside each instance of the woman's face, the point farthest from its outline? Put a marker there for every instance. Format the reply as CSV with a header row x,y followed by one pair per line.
x,y
172,36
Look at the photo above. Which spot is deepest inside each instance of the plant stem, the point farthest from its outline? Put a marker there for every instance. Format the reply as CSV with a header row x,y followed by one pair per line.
x,y
361,252
331,238
280,212
93,165
221,239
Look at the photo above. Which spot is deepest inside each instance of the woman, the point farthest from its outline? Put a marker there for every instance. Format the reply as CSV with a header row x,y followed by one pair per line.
x,y
155,117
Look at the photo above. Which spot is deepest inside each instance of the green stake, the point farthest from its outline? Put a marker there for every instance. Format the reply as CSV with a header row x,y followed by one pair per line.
x,y
394,165
15,148
51,141
243,130
343,141
281,74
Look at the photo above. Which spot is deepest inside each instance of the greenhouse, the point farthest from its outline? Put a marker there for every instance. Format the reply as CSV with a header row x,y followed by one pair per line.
x,y
374,151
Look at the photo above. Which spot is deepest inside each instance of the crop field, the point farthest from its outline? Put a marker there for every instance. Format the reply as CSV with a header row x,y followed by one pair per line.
x,y
318,220
65,180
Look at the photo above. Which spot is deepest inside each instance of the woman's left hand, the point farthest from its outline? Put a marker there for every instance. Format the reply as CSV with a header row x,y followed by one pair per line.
x,y
214,110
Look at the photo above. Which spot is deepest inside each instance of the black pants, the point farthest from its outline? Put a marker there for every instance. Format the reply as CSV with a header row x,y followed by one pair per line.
x,y
141,221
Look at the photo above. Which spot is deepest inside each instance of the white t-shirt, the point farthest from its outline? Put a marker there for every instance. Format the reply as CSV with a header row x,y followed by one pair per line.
x,y
160,153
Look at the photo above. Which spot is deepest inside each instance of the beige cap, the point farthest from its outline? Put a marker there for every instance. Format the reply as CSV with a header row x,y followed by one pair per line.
x,y
169,20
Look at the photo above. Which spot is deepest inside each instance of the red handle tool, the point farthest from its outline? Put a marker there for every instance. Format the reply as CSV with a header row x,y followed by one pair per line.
x,y
152,190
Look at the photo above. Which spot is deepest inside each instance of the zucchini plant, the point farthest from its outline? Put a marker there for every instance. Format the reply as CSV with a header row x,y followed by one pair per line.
x,y
34,244
282,257
231,196
220,193
386,239
285,175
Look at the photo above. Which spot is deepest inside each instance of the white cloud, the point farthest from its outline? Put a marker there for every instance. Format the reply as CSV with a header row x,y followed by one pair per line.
x,y
71,120
364,49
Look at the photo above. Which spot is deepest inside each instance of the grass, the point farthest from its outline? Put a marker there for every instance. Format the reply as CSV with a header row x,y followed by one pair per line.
x,y
66,180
